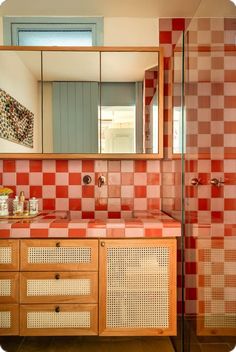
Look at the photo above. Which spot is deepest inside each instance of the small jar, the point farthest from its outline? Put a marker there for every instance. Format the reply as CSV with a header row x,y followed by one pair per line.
x,y
33,206
4,211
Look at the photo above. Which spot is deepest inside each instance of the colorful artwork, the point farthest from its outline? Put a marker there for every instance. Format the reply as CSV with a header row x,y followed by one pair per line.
x,y
16,122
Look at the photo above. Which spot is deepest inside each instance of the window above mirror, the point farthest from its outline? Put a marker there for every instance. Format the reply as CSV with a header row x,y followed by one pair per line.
x,y
50,31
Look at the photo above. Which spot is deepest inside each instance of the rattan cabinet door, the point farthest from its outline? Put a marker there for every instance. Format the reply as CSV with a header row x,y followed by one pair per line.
x,y
137,285
9,255
9,318
59,255
9,286
63,287
63,319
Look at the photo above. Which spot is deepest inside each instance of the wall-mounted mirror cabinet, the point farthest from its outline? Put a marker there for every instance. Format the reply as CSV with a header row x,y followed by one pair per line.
x,y
81,102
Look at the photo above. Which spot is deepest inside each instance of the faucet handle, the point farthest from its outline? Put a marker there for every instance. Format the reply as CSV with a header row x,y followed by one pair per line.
x,y
101,180
217,182
195,181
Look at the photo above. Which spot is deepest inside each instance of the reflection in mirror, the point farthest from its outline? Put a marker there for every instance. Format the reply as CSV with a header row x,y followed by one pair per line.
x,y
20,102
177,125
70,102
129,102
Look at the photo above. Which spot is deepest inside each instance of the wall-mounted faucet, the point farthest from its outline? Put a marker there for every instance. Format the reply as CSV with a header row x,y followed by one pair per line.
x,y
101,181
217,182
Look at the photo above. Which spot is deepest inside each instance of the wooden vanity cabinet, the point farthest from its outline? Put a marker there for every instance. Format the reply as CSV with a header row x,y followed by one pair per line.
x,y
88,287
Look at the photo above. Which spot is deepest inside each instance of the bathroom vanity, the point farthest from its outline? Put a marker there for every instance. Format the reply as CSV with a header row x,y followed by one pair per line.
x,y
63,276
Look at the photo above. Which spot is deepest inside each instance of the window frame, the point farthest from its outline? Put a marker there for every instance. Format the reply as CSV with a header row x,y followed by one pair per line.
x,y
13,25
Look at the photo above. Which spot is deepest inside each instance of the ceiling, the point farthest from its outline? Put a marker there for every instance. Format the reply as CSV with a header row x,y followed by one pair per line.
x,y
119,8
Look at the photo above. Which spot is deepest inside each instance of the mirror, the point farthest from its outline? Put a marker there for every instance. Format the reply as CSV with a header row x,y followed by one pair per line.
x,y
92,101
20,97
129,102
177,125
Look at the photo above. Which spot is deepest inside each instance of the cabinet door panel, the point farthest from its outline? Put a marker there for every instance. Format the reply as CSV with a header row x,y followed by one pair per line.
x,y
138,287
62,287
62,320
9,286
59,255
9,255
9,317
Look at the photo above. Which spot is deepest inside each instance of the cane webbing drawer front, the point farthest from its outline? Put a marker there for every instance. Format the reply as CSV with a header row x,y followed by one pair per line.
x,y
9,255
67,287
46,255
140,287
9,316
9,287
65,319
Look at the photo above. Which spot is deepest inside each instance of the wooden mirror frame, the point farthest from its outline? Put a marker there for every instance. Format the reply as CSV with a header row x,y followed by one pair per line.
x,y
109,156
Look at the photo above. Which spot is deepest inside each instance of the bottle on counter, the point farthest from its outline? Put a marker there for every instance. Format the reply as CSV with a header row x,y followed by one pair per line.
x,y
33,206
17,206
24,204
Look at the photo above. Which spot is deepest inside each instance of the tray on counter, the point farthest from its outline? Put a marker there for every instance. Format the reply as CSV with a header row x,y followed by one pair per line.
x,y
18,216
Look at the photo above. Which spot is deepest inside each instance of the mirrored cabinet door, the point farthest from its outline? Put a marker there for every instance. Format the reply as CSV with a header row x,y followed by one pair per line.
x,y
129,116
20,102
71,95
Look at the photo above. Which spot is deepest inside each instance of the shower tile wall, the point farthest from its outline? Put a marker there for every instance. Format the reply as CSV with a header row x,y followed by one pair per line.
x,y
210,211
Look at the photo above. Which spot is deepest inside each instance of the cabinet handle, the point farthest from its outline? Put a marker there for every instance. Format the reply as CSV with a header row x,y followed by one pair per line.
x,y
57,309
57,276
102,244
58,244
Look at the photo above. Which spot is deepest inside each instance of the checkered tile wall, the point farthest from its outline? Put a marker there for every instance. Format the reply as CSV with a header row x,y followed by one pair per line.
x,y
210,211
58,184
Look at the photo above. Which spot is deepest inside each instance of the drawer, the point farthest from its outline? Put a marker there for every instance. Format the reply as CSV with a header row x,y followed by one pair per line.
x,y
63,287
9,319
59,255
63,319
9,284
9,255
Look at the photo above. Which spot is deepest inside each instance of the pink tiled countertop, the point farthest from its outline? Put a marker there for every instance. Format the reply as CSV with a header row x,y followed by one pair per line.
x,y
152,224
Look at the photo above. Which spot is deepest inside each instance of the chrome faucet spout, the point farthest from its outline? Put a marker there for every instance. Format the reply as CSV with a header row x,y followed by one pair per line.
x,y
101,181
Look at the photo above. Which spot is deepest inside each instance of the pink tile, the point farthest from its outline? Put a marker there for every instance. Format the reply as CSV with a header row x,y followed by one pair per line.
x,y
49,166
22,165
74,191
140,178
97,233
58,232
88,204
140,204
114,204
127,191
62,178
62,203
49,192
20,233
134,232
100,166
153,166
114,178
101,192
114,191
127,166
74,165
9,178
36,178
153,191
114,166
